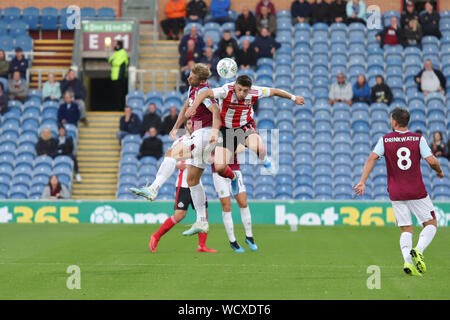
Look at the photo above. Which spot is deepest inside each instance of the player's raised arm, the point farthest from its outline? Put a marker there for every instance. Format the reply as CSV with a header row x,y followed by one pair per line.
x,y
435,165
217,122
284,94
180,120
368,167
203,94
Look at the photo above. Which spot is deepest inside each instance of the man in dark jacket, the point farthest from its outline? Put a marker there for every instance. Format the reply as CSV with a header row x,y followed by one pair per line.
x,y
194,36
245,24
72,83
4,65
211,61
169,121
391,35
430,21
300,11
68,111
151,145
246,57
381,92
129,124
3,100
65,148
430,79
320,12
265,45
46,145
19,63
151,119
196,11
224,42
409,14
338,11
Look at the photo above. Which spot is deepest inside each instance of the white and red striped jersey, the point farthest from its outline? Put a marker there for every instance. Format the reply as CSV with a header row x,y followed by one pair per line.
x,y
236,113
182,175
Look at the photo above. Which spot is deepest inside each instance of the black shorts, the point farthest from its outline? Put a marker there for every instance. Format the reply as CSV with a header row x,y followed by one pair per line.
x,y
232,137
183,199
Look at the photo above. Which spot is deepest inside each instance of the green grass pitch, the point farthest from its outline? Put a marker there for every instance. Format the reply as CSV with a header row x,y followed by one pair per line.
x,y
311,263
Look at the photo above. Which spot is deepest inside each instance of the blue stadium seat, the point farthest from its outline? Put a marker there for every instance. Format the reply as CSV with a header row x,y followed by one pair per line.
x,y
11,14
106,12
18,28
6,43
88,12
49,18
30,16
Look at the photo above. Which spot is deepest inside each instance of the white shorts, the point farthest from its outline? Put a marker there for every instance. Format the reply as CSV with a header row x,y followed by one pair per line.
x,y
201,149
186,140
423,209
223,185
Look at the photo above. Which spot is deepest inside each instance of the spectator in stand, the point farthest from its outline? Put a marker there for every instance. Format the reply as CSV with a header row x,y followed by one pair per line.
x,y
151,119
19,63
220,11
300,11
430,79
246,57
341,91
194,36
265,3
54,190
413,34
266,20
4,65
211,61
320,12
430,21
391,35
68,111
209,43
51,90
185,72
361,90
129,124
176,14
265,45
65,148
356,11
190,54
338,9
17,88
230,53
438,145
381,92
169,121
196,11
46,145
245,24
3,100
151,145
409,14
76,86
224,42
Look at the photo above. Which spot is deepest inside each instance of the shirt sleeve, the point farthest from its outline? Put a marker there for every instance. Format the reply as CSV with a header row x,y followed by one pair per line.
x,y
425,150
263,92
221,93
207,102
379,148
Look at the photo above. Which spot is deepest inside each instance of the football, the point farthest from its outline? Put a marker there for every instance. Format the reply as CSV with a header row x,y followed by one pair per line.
x,y
227,68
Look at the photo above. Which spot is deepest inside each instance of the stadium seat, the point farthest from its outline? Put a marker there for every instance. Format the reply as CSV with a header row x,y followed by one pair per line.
x,y
30,16
106,12
11,14
49,18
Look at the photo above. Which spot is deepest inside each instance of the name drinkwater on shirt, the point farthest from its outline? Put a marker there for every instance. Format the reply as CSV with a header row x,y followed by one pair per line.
x,y
401,139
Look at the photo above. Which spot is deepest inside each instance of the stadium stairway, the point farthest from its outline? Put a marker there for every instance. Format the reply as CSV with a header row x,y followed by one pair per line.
x,y
51,54
162,57
98,157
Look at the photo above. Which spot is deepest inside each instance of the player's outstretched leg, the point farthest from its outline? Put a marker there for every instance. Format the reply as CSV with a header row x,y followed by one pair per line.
x,y
425,238
202,243
165,227
229,228
247,222
198,196
255,144
406,245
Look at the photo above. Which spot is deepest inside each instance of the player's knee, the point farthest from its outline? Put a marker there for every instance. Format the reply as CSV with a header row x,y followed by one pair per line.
x,y
220,167
179,215
226,208
243,204
192,181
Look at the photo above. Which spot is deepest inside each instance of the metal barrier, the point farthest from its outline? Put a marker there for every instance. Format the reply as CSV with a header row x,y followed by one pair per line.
x,y
41,71
140,78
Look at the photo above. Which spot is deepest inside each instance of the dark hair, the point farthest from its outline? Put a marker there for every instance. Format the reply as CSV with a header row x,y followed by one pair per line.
x,y
1,85
440,135
244,81
120,44
401,115
58,186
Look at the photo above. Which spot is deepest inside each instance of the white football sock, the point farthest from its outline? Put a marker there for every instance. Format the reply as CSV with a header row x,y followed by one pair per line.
x,y
165,170
229,226
425,237
198,199
406,246
247,221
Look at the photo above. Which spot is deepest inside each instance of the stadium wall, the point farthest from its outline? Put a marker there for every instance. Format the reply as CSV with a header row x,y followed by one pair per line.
x,y
96,4
304,213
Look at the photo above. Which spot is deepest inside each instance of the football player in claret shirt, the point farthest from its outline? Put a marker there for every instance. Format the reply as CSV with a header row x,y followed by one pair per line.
x,y
403,151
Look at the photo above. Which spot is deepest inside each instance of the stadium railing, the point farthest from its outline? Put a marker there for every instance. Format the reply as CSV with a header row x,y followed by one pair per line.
x,y
41,71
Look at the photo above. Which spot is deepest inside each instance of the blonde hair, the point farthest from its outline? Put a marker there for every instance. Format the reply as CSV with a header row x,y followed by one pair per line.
x,y
415,24
46,134
202,71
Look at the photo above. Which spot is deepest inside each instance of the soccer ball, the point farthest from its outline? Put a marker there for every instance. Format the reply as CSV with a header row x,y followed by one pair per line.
x,y
227,68
105,214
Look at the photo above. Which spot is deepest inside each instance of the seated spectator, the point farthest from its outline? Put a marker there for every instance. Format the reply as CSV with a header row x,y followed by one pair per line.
x,y
392,34
176,14
65,148
169,121
19,63
245,24
129,124
430,21
413,34
151,119
17,88
209,43
230,53
300,11
341,91
224,42
430,79
51,90
3,100
419,132
196,11
338,9
266,20
76,86
361,90
381,92
409,14
46,145
4,65
265,45
267,4
190,54
438,145
356,11
220,11
246,57
55,190
194,36
151,145
211,61
68,111
320,12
